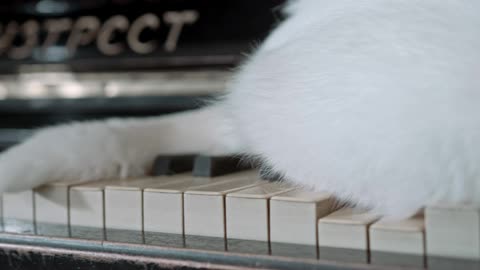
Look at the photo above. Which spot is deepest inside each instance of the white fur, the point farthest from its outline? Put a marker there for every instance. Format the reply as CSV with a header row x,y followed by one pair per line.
x,y
376,101
113,148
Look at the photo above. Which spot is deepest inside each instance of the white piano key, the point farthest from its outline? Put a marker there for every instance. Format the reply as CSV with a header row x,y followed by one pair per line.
x,y
124,201
18,211
163,208
404,236
51,202
453,231
86,205
204,206
247,211
163,205
345,228
294,215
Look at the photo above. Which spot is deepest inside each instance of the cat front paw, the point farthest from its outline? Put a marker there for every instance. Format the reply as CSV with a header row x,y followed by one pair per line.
x,y
82,151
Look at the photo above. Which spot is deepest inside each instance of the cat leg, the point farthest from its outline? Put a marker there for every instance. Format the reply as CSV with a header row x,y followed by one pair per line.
x,y
114,147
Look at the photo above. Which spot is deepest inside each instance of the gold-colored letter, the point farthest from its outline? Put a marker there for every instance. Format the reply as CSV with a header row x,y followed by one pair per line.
x,y
83,32
55,27
145,21
177,19
104,40
30,30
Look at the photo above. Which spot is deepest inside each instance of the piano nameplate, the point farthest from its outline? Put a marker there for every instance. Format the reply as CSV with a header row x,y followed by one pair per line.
x,y
88,29
124,35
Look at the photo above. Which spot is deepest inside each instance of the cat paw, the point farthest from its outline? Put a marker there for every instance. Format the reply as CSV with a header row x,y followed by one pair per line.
x,y
82,151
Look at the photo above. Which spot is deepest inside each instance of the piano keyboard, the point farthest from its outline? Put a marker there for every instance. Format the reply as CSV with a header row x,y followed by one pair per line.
x,y
213,200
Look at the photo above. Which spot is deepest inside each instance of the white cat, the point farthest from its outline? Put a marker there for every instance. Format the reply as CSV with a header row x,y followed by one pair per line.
x,y
376,101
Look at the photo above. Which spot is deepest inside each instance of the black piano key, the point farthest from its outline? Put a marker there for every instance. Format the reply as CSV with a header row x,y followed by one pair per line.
x,y
206,166
168,165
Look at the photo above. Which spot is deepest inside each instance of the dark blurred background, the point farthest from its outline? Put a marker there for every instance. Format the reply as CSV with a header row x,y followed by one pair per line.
x,y
62,60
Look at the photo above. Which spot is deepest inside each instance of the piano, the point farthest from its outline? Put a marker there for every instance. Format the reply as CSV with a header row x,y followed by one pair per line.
x,y
65,60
